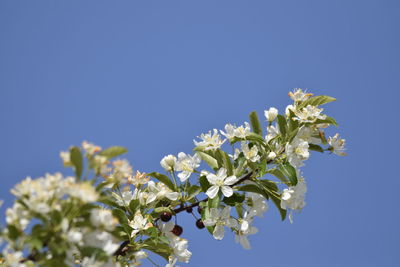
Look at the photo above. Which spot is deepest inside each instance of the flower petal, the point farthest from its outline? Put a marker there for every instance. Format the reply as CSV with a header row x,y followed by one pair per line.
x,y
227,191
219,232
212,191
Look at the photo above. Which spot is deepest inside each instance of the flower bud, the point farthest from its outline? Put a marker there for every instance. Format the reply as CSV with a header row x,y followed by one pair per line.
x,y
168,163
271,114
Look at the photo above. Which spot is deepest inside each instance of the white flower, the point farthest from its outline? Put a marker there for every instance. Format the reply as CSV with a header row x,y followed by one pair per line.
x,y
210,140
66,158
172,261
139,255
299,95
271,114
160,191
139,223
288,109
186,165
13,258
296,152
90,148
250,153
258,205
101,239
293,197
271,155
168,163
232,131
180,245
220,218
273,131
103,218
220,181
337,145
125,198
166,229
122,170
74,236
139,179
83,191
309,134
245,229
309,114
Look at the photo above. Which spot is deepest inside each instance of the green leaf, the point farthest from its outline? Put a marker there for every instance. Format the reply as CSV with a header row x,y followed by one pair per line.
x,y
255,123
212,162
328,120
157,247
234,199
278,174
277,202
113,152
282,124
214,202
76,160
193,191
164,179
290,172
204,183
226,162
134,205
13,232
315,148
253,188
255,137
317,101
121,215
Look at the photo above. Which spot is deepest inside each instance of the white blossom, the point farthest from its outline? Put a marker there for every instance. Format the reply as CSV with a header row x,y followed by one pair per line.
x,y
168,163
296,152
293,197
186,165
101,239
220,218
220,181
250,153
299,95
258,206
337,145
160,190
139,223
309,114
272,131
180,245
271,114
90,148
245,229
210,140
231,131
103,218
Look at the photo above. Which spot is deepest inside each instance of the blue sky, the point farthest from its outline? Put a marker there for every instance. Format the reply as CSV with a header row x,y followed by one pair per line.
x,y
152,75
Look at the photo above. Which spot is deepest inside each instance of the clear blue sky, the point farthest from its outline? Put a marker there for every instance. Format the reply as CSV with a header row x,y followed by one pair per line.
x,y
152,75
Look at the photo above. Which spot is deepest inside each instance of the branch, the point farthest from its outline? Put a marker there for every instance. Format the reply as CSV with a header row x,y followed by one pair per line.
x,y
122,248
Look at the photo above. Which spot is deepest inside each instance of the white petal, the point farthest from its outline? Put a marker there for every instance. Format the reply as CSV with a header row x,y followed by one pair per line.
x,y
230,180
212,178
183,176
219,232
227,191
172,195
221,173
226,212
209,222
212,191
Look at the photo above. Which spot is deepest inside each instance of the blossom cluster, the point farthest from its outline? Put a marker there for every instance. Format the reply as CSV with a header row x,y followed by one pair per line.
x,y
107,214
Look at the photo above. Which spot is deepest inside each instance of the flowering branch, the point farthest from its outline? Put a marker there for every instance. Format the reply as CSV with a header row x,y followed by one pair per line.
x,y
107,215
